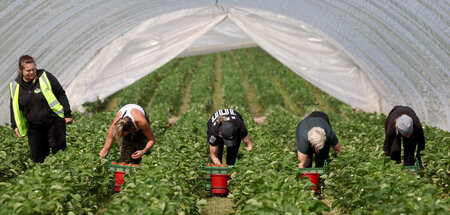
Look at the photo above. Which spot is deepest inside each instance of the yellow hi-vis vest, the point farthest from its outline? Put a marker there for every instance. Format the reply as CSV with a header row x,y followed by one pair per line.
x,y
46,88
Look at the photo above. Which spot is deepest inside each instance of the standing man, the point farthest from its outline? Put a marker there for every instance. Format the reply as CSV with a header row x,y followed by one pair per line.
x,y
314,137
402,122
226,127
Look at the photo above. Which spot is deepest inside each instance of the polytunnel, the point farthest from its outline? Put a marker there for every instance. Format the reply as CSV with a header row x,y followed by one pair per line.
x,y
369,54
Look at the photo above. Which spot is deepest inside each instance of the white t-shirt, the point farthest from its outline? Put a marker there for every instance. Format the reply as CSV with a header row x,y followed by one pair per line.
x,y
126,111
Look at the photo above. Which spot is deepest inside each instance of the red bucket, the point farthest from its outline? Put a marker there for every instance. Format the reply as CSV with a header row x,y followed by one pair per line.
x,y
119,180
313,178
219,184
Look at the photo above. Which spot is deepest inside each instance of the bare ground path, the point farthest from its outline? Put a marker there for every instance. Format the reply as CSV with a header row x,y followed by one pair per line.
x,y
216,205
329,204
217,100
289,105
186,96
184,106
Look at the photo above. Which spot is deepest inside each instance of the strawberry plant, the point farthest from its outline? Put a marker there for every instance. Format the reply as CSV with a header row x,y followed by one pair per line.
x,y
14,154
360,180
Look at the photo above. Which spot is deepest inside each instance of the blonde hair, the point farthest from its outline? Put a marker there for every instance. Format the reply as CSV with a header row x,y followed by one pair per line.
x,y
316,136
221,119
122,125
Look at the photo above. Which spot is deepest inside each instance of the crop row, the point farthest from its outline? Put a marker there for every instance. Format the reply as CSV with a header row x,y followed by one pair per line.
x,y
361,179
14,154
202,84
168,180
75,180
267,179
233,90
267,92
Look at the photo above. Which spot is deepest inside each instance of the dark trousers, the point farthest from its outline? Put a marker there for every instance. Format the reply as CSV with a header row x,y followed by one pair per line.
x,y
130,144
42,138
231,153
409,147
320,157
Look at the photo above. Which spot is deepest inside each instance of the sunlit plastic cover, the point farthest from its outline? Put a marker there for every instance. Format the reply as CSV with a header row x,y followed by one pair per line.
x,y
370,54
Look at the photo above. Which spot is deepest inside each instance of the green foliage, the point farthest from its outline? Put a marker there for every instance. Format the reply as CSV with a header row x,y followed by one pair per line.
x,y
266,180
234,92
170,90
168,181
201,88
265,89
363,181
14,154
146,87
75,180
436,158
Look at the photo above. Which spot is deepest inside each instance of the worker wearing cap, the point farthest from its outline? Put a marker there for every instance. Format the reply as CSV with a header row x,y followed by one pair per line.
x,y
402,122
315,137
226,127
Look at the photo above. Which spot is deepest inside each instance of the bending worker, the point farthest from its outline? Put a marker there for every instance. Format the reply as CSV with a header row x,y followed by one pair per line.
x,y
314,137
402,122
226,127
131,128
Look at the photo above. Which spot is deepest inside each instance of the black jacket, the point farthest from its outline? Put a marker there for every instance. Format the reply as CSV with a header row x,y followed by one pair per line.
x,y
390,130
33,104
213,128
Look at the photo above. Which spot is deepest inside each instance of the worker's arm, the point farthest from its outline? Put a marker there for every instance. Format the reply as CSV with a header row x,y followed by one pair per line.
x,y
214,151
304,160
142,124
337,148
109,137
390,132
248,143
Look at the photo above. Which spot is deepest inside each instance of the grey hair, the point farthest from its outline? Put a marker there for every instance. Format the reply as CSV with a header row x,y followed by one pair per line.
x,y
316,136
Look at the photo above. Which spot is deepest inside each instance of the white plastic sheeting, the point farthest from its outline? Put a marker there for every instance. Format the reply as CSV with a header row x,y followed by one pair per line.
x,y
370,54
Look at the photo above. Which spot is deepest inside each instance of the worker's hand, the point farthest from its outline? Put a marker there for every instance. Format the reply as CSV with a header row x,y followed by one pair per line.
x,y
17,132
69,120
137,154
249,146
103,153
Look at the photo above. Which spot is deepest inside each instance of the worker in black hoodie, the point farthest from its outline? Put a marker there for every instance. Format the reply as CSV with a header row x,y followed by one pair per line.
x,y
403,123
39,109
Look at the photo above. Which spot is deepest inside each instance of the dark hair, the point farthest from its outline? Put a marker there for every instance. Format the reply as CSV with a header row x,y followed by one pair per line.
x,y
25,59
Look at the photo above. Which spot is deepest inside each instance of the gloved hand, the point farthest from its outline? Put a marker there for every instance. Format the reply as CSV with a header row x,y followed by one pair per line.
x,y
419,156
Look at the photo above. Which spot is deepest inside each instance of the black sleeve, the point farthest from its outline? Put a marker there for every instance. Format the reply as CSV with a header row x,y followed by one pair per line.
x,y
13,121
420,137
211,137
242,130
389,129
320,114
239,115
333,140
60,94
